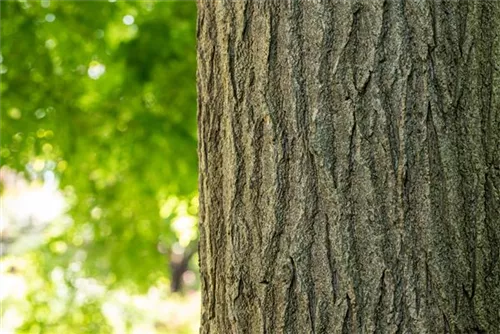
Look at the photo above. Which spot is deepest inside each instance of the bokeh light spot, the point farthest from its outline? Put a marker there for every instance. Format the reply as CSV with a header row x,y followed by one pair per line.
x,y
58,247
96,70
40,113
38,165
62,165
15,113
50,17
128,20
50,44
47,148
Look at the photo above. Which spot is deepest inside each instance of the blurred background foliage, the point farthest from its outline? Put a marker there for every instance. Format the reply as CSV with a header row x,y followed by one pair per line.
x,y
99,167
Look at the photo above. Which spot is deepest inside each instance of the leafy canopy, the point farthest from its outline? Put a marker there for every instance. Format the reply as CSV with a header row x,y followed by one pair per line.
x,y
102,96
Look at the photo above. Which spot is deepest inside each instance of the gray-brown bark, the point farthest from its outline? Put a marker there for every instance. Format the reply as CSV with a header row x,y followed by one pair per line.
x,y
349,166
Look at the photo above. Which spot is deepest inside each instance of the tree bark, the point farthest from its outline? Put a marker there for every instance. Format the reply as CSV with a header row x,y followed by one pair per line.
x,y
349,166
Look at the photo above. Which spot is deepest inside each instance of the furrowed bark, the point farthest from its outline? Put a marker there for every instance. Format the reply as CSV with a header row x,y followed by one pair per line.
x,y
349,166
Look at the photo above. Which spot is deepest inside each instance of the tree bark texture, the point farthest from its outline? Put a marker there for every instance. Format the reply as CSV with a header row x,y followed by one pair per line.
x,y
349,166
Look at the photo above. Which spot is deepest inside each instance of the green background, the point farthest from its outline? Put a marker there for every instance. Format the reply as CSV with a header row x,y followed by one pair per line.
x,y
107,108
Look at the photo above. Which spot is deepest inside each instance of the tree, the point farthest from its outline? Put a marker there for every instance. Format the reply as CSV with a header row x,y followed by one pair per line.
x,y
124,139
349,166
100,98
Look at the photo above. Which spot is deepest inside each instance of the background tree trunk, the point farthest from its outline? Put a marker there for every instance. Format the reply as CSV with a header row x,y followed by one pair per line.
x,y
349,166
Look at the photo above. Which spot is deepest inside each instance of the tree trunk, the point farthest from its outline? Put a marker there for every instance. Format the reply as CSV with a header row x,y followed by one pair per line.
x,y
349,166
